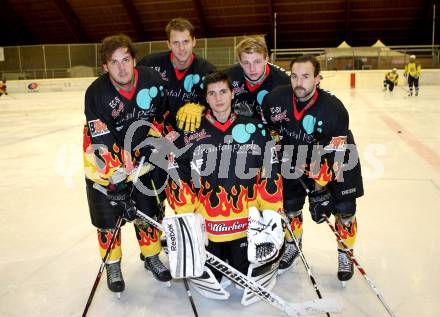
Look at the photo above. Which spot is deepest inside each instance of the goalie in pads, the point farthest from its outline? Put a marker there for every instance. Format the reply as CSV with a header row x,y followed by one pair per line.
x,y
200,183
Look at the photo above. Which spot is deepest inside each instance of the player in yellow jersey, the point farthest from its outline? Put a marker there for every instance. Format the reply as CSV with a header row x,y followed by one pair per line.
x,y
412,72
391,80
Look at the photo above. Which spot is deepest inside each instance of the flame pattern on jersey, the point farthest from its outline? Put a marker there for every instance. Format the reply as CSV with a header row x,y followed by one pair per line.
x,y
224,201
110,113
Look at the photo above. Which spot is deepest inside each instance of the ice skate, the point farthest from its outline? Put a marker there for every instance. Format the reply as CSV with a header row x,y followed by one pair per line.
x,y
115,280
160,272
345,267
289,257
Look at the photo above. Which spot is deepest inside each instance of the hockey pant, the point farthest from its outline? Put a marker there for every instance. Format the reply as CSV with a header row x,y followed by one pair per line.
x,y
413,81
388,83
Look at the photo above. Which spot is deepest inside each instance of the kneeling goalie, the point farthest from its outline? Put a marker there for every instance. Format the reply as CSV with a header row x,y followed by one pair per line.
x,y
229,174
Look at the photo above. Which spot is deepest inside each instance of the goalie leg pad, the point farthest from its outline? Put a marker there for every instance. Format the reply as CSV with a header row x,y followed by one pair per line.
x,y
208,286
186,244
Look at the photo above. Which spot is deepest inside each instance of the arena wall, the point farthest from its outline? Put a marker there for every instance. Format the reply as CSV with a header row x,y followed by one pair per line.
x,y
331,80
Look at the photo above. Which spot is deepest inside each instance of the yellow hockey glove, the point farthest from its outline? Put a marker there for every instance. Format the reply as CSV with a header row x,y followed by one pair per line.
x,y
189,116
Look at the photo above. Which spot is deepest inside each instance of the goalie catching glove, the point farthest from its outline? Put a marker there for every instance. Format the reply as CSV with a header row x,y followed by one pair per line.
x,y
186,241
265,235
189,116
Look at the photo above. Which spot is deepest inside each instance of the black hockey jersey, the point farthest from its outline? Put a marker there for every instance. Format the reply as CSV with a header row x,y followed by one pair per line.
x,y
109,115
184,86
226,169
316,139
248,99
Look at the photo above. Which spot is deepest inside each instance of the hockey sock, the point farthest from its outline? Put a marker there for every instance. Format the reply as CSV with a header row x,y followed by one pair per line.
x,y
347,229
148,238
104,238
296,223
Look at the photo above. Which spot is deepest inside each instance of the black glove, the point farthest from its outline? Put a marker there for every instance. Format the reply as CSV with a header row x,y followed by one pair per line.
x,y
320,203
120,195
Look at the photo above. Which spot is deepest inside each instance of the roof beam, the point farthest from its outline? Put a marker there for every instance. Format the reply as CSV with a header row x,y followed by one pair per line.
x,y
71,20
12,29
134,19
200,14
347,20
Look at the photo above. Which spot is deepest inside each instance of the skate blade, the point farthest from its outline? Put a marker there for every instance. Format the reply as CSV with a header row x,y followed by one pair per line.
x,y
118,295
344,284
166,284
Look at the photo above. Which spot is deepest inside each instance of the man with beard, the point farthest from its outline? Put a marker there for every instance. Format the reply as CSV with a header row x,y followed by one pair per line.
x,y
317,147
124,95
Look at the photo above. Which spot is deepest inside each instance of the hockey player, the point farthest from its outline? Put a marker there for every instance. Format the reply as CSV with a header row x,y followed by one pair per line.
x,y
183,71
224,177
391,80
124,95
412,72
253,77
3,87
306,116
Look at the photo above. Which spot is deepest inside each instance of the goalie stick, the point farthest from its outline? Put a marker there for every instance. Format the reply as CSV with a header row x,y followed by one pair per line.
x,y
350,254
291,309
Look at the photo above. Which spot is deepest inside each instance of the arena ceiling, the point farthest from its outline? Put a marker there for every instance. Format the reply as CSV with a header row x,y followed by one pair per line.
x,y
300,23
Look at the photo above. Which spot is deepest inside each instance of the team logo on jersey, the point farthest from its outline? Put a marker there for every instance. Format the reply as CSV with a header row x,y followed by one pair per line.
x,y
196,165
97,128
237,90
261,95
310,124
145,97
280,117
337,143
191,80
196,136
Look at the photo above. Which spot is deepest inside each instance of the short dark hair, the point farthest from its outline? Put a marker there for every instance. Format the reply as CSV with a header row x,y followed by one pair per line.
x,y
111,43
215,77
179,24
308,58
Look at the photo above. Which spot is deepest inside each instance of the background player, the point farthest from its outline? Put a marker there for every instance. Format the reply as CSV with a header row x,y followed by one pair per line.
x,y
3,87
412,72
391,80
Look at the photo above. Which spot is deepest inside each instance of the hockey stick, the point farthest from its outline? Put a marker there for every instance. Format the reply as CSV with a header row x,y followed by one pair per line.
x,y
350,254
185,282
104,262
291,309
306,265
112,242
